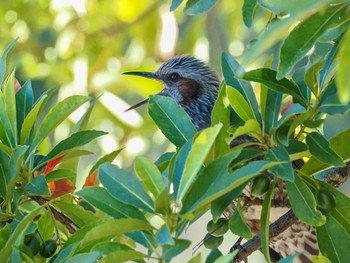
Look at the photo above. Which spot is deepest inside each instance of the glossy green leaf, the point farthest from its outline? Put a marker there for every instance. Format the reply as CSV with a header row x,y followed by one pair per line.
x,y
196,259
116,252
268,77
226,258
90,257
272,102
124,186
292,111
221,114
76,213
37,187
330,103
164,237
311,77
83,121
196,157
304,36
290,259
30,119
303,203
238,225
334,240
77,139
195,7
4,59
7,134
280,7
4,167
46,225
58,174
144,238
265,221
20,229
24,103
342,77
150,175
170,251
321,149
250,127
171,119
211,187
231,70
10,103
108,158
175,4
248,10
283,169
101,199
55,116
239,104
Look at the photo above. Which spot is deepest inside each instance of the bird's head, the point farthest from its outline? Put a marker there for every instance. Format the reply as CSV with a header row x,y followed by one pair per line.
x,y
191,83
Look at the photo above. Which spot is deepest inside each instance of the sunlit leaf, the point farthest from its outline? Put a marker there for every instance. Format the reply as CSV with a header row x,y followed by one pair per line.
x,y
238,225
284,169
4,60
248,11
24,103
239,104
37,186
343,77
175,4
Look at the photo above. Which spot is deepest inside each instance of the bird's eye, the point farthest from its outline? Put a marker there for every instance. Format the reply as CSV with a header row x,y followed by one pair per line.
x,y
174,76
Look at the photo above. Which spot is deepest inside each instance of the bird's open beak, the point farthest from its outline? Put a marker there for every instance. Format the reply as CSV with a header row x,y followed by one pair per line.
x,y
149,75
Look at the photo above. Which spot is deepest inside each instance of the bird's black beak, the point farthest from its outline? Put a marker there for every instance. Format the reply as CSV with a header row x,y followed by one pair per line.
x,y
149,75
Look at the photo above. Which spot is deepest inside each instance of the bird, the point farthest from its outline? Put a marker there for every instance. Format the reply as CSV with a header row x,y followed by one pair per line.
x,y
194,86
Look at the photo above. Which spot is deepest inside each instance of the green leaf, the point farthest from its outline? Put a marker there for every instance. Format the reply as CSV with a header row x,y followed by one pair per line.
x,y
272,101
304,36
90,257
248,10
83,121
164,237
290,259
311,77
24,103
7,134
55,116
195,7
283,169
14,168
292,111
170,251
303,203
265,221
221,114
226,258
108,158
238,225
60,174
116,252
218,181
4,59
231,69
101,199
268,77
175,4
76,213
171,119
197,155
30,119
144,238
342,77
330,103
10,104
334,240
20,229
150,176
250,127
279,30
124,186
4,167
320,148
239,104
77,139
37,186
46,225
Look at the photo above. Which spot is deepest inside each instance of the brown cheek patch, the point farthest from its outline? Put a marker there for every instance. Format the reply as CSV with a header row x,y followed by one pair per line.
x,y
189,90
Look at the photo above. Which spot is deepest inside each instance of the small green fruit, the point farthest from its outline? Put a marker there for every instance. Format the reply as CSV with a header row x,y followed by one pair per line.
x,y
219,228
48,248
325,201
33,242
260,185
211,242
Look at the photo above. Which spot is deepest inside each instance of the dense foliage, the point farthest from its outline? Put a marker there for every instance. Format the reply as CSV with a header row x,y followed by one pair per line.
x,y
43,216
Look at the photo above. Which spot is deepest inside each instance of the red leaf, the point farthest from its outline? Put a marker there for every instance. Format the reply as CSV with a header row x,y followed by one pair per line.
x,y
51,164
91,179
62,187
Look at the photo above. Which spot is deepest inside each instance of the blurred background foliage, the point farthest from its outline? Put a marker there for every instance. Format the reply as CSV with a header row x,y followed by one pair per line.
x,y
85,45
